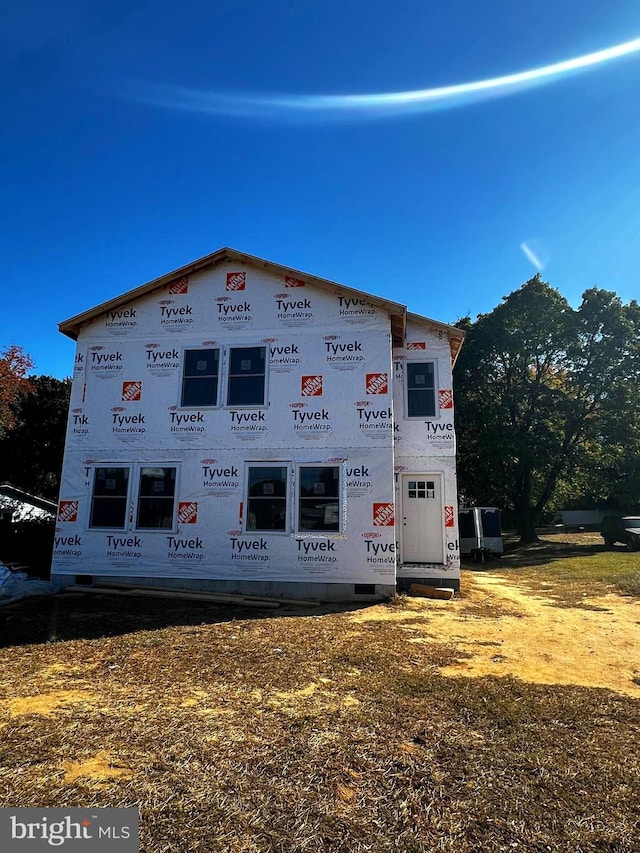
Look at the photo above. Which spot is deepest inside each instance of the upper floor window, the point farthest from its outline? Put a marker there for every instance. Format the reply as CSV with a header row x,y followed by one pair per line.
x,y
247,376
200,377
421,389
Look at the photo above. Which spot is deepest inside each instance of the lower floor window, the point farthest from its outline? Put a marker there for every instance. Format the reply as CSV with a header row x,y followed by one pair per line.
x,y
156,497
267,497
319,498
109,498
154,493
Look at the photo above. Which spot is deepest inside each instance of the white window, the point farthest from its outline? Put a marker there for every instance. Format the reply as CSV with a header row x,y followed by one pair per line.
x,y
150,488
200,375
420,389
319,501
109,497
156,498
243,383
267,497
246,381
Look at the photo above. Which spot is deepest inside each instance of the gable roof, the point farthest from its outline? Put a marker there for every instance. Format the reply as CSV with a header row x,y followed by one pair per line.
x,y
396,311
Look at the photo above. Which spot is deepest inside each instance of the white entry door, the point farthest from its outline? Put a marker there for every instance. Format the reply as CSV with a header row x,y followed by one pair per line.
x,y
422,520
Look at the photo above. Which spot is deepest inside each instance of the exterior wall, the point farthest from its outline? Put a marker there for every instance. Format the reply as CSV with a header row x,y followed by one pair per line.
x,y
427,446
328,402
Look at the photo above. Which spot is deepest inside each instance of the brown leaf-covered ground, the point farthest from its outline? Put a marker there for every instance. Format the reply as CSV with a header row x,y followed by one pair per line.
x,y
414,726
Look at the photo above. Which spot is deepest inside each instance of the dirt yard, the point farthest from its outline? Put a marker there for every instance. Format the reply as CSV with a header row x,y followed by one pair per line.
x,y
507,630
503,719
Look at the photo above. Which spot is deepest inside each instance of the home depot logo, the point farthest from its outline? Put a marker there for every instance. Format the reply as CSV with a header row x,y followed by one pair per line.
x,y
68,511
377,383
289,281
383,514
236,280
448,516
416,345
131,391
445,398
180,285
187,512
311,386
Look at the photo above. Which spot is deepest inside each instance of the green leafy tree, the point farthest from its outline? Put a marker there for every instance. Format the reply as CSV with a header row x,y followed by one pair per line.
x,y
538,388
31,450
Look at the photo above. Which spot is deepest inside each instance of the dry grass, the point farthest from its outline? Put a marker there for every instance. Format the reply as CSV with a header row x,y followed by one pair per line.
x,y
303,732
571,566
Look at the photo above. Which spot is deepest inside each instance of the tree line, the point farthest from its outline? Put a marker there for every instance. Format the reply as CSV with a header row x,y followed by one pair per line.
x,y
33,421
547,407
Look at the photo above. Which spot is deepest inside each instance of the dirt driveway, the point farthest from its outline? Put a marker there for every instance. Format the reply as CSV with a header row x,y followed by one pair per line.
x,y
506,630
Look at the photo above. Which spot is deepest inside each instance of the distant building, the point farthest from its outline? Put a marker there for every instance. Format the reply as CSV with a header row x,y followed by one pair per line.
x,y
18,505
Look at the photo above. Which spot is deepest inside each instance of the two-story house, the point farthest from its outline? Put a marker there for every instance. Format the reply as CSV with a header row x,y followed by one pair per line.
x,y
239,426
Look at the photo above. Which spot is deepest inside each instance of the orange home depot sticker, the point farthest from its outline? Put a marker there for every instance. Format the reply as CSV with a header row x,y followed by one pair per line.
x,y
416,345
236,280
383,515
180,285
131,391
68,511
445,398
377,383
187,512
311,386
289,281
448,516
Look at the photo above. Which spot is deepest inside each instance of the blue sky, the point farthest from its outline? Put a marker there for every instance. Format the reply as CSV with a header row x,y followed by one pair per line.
x,y
142,135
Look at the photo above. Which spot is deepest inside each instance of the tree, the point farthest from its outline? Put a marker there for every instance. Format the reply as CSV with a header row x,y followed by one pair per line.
x,y
31,450
538,385
14,366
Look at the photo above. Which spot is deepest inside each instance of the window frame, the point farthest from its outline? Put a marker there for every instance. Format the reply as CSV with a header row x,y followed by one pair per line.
x,y
225,377
434,363
92,496
228,376
133,496
219,379
268,463
140,497
340,499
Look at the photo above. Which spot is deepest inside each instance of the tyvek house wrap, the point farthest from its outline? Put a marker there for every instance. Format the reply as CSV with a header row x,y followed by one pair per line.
x,y
328,402
424,450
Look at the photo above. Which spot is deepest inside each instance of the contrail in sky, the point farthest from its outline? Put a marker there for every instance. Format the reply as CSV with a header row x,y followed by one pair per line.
x,y
350,107
531,255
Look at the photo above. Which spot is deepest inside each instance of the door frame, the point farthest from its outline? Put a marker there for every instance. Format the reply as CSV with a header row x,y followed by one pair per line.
x,y
414,475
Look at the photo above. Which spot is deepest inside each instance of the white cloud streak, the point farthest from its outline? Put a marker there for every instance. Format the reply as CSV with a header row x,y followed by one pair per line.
x,y
357,107
530,254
